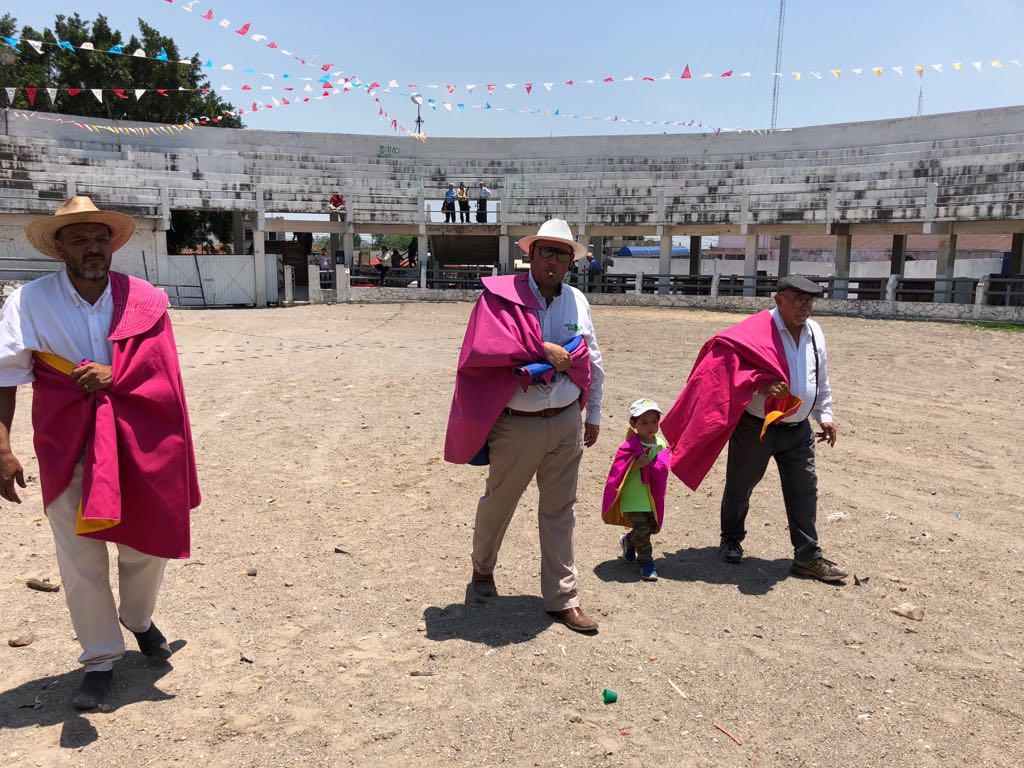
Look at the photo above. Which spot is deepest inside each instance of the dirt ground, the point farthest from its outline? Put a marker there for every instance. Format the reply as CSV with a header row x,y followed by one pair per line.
x,y
322,427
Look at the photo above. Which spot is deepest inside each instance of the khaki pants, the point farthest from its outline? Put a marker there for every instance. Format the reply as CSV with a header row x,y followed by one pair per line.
x,y
85,573
521,447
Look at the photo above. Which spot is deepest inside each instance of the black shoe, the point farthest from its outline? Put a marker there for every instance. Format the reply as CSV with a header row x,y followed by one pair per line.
x,y
93,690
730,550
153,644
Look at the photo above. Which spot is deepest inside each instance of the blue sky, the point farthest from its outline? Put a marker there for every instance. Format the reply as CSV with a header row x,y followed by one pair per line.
x,y
533,41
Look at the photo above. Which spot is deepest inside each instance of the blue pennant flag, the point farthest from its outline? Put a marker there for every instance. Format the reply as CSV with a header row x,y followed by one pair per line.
x,y
558,112
116,50
208,64
461,106
285,76
162,56
324,79
13,42
487,105
249,71
66,45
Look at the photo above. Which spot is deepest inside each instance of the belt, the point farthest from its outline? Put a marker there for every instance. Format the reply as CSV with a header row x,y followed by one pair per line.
x,y
547,413
780,423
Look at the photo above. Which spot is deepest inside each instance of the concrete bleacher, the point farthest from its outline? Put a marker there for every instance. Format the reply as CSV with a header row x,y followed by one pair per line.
x,y
962,169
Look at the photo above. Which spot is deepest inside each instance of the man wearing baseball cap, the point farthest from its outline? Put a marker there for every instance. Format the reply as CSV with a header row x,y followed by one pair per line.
x,y
110,429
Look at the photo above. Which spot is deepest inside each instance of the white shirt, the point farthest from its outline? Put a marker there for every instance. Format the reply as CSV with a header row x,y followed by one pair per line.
x,y
484,193
801,373
567,316
48,315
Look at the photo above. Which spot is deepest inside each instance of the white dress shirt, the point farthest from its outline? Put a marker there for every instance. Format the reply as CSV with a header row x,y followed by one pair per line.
x,y
803,383
566,317
48,315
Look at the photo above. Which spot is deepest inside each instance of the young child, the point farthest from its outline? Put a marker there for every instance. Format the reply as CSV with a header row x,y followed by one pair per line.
x,y
634,494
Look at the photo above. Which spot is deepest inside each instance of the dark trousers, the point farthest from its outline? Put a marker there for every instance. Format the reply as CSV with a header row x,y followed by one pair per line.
x,y
449,212
481,211
793,450
644,524
464,211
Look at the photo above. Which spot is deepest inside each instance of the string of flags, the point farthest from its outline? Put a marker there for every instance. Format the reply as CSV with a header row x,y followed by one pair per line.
x,y
244,30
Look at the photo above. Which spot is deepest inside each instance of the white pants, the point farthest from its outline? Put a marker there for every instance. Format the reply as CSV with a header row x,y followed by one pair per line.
x,y
85,573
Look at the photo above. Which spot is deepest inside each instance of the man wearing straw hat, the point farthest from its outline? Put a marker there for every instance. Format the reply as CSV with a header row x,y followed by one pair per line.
x,y
110,430
530,425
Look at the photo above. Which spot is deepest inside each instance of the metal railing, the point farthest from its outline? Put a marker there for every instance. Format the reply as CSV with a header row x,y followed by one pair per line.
x,y
457,278
1006,291
383,276
434,213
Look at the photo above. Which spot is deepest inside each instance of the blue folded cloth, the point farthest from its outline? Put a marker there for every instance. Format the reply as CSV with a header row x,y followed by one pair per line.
x,y
536,370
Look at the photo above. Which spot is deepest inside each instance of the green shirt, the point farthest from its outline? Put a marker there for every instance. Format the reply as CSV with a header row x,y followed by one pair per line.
x,y
635,495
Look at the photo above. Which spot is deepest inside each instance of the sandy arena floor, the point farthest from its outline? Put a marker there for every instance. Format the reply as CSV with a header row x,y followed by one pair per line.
x,y
322,427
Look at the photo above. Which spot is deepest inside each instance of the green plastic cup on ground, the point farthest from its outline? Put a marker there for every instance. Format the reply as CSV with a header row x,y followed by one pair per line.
x,y
609,696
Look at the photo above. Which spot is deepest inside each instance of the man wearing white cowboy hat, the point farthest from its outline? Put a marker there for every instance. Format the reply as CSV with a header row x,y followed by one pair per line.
x,y
110,431
530,426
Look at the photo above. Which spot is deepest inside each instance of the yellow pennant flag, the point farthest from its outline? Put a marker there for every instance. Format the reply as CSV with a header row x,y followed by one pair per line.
x,y
996,63
919,69
837,73
878,71
958,66
796,75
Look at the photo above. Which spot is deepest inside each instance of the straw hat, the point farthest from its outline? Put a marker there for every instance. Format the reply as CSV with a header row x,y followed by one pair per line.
x,y
77,210
557,230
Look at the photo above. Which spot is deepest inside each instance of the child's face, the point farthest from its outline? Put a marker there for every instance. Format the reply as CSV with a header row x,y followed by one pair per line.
x,y
646,425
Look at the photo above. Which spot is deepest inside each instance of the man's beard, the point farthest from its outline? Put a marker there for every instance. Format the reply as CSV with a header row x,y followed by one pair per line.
x,y
80,272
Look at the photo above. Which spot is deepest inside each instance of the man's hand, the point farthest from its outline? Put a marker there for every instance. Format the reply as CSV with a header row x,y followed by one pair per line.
x,y
642,460
557,357
828,434
590,433
775,389
10,473
93,377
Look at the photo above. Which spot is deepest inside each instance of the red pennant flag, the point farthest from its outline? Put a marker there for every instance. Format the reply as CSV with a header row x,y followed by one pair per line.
x,y
208,15
74,91
305,99
726,74
119,92
649,79
246,87
285,100
490,87
374,85
608,80
244,29
30,93
289,89
529,87
254,107
451,89
271,45
325,67
569,82
161,91
394,123
686,73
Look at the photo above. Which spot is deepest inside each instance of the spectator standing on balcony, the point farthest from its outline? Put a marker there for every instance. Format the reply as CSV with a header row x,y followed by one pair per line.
x,y
448,206
481,204
462,195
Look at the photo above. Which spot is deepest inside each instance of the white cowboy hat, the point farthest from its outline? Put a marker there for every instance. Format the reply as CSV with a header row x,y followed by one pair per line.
x,y
558,231
77,210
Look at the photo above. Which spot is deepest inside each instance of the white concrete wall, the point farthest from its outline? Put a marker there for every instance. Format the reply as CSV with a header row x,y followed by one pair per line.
x,y
924,269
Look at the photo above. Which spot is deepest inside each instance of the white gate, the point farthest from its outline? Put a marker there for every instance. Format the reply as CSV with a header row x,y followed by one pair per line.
x,y
215,281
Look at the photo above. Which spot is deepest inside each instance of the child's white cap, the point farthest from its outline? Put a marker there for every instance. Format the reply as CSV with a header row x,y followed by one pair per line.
x,y
642,406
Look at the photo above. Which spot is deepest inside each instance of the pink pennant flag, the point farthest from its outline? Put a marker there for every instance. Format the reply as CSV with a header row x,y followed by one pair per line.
x,y
246,87
686,73
529,87
326,67
490,87
285,100
726,74
649,79
271,45
569,82
608,80
451,89
30,94
208,16
161,91
244,29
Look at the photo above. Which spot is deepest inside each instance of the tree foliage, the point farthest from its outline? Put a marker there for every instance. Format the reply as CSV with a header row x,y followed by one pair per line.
x,y
60,68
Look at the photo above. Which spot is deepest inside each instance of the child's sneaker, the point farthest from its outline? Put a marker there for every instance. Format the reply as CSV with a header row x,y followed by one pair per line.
x,y
648,572
628,550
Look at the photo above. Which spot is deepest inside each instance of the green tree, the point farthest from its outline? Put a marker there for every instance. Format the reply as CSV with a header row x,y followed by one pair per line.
x,y
59,68
388,243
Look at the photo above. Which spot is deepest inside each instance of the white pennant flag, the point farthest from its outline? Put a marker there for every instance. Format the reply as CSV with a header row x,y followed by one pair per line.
x,y
858,72
707,74
309,89
276,102
139,53
10,94
225,88
746,74
897,70
392,83
98,93
1015,62
225,23
87,47
190,6
286,53
937,68
510,86
36,44
259,38
976,65
666,76
448,106
228,66
268,74
628,79
470,88
139,92
266,87
52,93
817,75
548,86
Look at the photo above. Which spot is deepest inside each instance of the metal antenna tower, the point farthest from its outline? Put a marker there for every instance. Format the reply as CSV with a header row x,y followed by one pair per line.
x,y
778,65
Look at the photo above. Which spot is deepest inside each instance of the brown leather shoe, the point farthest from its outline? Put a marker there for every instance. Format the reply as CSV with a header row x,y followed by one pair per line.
x,y
484,585
575,619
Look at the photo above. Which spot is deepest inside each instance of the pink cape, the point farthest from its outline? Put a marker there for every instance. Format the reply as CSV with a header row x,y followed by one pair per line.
x,y
731,367
503,332
654,475
140,474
